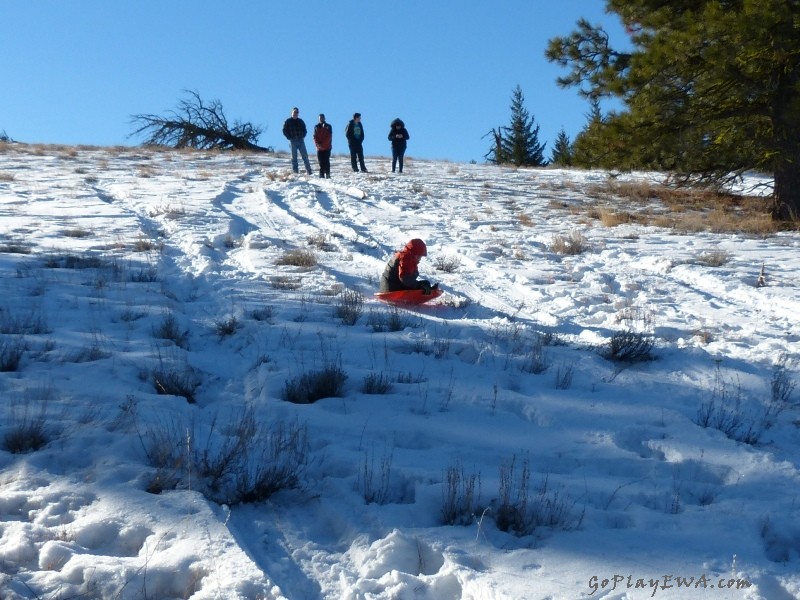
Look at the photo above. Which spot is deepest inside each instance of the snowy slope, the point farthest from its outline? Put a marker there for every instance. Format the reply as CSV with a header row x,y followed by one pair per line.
x,y
502,382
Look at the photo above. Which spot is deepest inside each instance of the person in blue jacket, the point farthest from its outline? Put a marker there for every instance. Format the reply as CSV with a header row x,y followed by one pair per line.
x,y
398,135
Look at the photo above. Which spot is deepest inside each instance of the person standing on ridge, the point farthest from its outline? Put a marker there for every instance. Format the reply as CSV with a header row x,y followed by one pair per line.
x,y
323,140
355,139
294,130
398,135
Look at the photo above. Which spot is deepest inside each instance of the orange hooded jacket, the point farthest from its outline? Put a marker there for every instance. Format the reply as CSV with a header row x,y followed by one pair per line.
x,y
402,270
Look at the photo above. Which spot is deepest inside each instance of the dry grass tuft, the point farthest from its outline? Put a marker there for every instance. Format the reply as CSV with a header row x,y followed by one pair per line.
x,y
525,220
571,244
612,218
684,209
298,258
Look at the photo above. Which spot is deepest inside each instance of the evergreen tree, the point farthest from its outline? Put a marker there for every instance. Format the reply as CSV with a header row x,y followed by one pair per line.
x,y
586,150
562,150
711,89
518,143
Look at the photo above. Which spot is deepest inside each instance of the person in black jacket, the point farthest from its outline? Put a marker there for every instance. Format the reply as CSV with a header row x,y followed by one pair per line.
x,y
294,130
398,135
354,132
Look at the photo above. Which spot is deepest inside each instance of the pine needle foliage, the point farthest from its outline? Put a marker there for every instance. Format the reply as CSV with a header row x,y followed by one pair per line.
x,y
518,143
711,89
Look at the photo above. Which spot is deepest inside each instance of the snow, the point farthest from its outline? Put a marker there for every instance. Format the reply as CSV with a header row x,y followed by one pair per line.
x,y
502,383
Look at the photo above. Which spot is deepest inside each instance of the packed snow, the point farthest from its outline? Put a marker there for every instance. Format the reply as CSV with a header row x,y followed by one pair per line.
x,y
160,310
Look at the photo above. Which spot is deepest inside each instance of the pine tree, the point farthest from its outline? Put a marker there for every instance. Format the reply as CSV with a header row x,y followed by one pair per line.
x,y
562,150
518,143
589,148
711,89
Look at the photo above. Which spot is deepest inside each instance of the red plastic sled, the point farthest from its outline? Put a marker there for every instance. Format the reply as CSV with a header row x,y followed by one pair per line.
x,y
408,296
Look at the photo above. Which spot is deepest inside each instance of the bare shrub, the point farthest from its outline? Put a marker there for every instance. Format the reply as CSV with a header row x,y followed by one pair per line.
x,y
28,426
92,352
636,317
11,352
349,306
536,360
15,248
460,495
320,240
169,329
409,377
144,274
564,375
447,264
441,346
392,319
571,244
26,436
613,218
234,461
279,457
283,282
781,385
298,258
522,511
129,315
173,379
629,346
376,383
741,419
76,232
74,261
375,479
32,323
703,334
525,220
126,418
226,326
142,244
263,313
173,213
307,388
713,258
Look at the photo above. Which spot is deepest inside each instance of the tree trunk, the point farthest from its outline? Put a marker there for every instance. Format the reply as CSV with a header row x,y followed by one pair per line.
x,y
786,128
786,205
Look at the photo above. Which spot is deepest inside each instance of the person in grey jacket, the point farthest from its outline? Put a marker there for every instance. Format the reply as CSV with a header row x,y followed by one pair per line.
x,y
294,130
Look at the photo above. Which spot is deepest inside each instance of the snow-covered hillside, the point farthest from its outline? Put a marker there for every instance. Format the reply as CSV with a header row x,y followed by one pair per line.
x,y
158,310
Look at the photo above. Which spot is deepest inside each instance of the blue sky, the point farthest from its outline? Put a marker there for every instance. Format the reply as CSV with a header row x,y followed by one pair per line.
x,y
75,71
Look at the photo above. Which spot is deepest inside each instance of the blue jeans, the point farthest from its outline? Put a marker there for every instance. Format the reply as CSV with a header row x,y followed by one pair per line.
x,y
299,144
357,156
